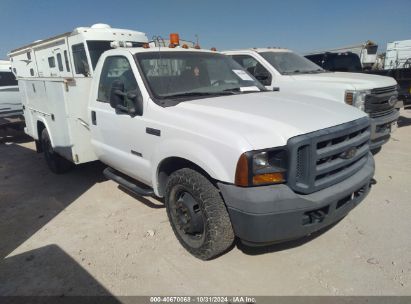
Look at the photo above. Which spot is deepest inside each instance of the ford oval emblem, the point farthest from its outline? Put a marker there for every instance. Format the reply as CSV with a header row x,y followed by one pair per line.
x,y
348,154
392,100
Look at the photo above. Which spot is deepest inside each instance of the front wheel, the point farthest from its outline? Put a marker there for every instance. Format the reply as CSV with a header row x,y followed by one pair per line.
x,y
197,214
55,162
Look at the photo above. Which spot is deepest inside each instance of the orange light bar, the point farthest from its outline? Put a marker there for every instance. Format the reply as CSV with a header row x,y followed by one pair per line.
x,y
268,178
241,172
184,46
174,39
171,46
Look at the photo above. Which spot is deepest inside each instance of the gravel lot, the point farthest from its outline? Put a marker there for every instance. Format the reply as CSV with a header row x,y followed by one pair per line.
x,y
80,234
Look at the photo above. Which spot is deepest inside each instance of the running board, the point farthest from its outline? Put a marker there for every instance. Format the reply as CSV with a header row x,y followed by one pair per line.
x,y
119,179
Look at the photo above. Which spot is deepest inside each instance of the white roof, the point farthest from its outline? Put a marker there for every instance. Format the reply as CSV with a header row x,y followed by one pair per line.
x,y
258,50
167,49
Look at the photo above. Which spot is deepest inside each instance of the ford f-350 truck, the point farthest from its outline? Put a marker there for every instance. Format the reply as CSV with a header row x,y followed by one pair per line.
x,y
282,69
193,127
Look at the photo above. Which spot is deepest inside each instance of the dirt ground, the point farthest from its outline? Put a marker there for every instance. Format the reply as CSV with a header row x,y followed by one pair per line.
x,y
80,234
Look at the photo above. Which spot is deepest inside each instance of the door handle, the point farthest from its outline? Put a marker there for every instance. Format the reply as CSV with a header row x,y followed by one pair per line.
x,y
93,118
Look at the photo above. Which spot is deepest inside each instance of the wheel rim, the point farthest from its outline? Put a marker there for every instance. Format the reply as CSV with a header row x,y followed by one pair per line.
x,y
187,216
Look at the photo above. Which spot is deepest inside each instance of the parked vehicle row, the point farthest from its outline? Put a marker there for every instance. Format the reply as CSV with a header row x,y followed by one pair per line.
x,y
225,140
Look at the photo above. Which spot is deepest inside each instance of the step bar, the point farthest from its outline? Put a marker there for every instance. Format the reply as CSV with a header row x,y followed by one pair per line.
x,y
119,178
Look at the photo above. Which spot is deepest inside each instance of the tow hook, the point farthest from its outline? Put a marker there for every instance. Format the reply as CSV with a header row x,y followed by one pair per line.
x,y
373,182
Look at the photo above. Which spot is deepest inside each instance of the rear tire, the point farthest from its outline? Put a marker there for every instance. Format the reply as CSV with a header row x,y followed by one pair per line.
x,y
56,163
197,214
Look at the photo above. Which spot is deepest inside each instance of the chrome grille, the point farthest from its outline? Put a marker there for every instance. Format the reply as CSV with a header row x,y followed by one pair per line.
x,y
317,159
376,103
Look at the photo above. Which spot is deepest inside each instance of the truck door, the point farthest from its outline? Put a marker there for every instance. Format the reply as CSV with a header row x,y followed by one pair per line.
x,y
117,136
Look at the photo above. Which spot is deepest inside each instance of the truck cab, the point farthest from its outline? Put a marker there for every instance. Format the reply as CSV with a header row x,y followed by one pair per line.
x,y
282,69
230,158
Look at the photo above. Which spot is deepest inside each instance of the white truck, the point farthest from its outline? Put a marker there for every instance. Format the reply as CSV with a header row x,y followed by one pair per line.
x,y
282,69
11,112
398,55
193,127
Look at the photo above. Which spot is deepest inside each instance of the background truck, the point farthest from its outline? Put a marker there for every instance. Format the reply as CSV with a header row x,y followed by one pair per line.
x,y
193,127
11,111
398,55
282,69
350,62
366,52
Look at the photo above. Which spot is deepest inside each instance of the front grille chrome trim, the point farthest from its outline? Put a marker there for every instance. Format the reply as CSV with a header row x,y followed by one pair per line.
x,y
315,160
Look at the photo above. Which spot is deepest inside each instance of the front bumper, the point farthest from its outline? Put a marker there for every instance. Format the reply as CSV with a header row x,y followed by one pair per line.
x,y
275,213
381,129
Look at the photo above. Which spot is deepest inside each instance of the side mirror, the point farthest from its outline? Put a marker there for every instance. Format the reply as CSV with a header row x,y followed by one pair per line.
x,y
116,94
262,75
264,79
137,103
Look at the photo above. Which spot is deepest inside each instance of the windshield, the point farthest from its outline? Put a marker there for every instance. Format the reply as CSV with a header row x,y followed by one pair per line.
x,y
290,63
188,75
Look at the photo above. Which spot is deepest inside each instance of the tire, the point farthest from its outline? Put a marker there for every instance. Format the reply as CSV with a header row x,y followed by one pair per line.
x,y
56,163
197,214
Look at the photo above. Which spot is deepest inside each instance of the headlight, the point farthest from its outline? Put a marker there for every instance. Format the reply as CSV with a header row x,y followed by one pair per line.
x,y
262,167
356,98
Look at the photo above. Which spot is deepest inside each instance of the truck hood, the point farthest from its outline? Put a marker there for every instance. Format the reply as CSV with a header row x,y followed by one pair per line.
x,y
264,120
359,81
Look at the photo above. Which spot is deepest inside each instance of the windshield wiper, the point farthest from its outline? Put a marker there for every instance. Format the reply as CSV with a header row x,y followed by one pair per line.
x,y
195,94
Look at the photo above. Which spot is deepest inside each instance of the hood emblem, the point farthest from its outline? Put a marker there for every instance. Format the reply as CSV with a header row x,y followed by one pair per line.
x,y
348,154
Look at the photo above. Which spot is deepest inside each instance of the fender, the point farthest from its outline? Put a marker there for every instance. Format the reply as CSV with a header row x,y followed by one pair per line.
x,y
43,120
218,167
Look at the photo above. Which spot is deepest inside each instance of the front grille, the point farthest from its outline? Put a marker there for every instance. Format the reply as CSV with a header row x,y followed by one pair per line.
x,y
319,159
382,113
377,103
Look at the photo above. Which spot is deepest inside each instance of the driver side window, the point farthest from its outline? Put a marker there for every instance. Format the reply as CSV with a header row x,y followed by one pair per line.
x,y
116,68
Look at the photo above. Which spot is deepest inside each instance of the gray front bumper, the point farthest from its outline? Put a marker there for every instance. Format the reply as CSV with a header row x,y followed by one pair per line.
x,y
268,214
381,129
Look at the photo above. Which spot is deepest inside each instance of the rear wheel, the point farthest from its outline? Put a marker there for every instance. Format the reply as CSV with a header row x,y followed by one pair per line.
x,y
55,162
197,214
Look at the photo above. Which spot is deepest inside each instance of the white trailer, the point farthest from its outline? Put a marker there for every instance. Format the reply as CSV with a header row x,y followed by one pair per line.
x,y
55,76
398,55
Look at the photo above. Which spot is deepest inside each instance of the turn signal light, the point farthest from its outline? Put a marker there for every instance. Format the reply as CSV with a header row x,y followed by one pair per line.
x,y
268,178
349,98
241,172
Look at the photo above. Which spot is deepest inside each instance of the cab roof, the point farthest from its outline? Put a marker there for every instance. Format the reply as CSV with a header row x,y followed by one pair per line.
x,y
258,50
137,50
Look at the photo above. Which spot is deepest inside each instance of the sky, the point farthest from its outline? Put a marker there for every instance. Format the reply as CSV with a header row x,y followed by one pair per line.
x,y
225,24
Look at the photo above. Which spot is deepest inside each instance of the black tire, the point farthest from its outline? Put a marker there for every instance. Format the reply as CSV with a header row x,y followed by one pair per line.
x,y
208,232
56,163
